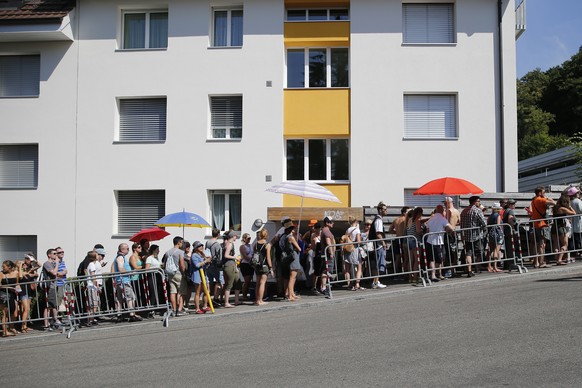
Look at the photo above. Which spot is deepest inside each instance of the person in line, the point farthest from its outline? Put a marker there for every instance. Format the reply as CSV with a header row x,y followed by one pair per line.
x,y
265,267
495,238
316,261
377,257
124,289
472,222
231,274
246,254
510,233
50,270
352,259
186,285
414,229
436,226
290,260
9,277
61,278
136,263
538,208
576,204
29,269
93,300
398,227
559,228
171,261
197,261
453,216
155,281
214,270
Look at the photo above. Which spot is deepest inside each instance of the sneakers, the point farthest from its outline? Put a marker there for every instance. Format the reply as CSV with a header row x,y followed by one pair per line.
x,y
200,312
180,314
135,318
315,292
448,274
206,309
377,285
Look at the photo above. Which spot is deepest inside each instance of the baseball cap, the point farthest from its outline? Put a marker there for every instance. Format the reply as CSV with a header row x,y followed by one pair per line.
x,y
448,199
572,191
196,245
312,222
327,220
100,251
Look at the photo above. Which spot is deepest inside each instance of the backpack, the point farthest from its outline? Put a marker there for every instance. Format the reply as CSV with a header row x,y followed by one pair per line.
x,y
42,280
171,267
346,239
217,255
256,260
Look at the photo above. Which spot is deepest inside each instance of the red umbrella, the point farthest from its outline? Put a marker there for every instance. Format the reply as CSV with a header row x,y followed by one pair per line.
x,y
448,186
151,234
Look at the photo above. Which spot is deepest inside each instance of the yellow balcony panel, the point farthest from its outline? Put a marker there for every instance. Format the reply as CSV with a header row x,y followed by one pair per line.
x,y
317,34
342,192
316,4
316,112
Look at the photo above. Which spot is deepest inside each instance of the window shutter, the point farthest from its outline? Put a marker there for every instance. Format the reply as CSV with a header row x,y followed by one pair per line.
x,y
19,166
428,23
430,116
15,247
426,202
19,75
226,112
139,209
142,119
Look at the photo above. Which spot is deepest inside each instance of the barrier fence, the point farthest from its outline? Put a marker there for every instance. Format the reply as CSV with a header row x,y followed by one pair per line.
x,y
502,246
66,305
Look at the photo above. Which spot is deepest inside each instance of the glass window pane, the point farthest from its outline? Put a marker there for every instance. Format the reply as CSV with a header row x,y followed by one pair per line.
x,y
234,211
295,68
134,31
236,133
317,158
340,67
220,25
339,14
219,133
296,15
236,28
340,160
218,210
295,160
318,14
159,30
317,68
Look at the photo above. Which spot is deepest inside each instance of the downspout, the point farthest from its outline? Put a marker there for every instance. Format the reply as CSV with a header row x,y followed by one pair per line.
x,y
501,97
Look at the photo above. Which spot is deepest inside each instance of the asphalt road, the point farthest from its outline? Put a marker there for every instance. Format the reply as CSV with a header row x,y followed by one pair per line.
x,y
518,330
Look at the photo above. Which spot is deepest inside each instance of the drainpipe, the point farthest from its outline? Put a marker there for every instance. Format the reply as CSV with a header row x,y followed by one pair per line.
x,y
501,96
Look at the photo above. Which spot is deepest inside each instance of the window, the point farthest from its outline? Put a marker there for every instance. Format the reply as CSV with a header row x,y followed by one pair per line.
x,y
430,116
142,119
226,209
15,247
227,28
19,75
226,117
139,209
19,166
312,15
428,23
145,29
318,68
318,159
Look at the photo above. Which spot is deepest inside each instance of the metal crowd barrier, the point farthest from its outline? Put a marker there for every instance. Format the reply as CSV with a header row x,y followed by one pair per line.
x,y
402,257
118,295
81,301
557,241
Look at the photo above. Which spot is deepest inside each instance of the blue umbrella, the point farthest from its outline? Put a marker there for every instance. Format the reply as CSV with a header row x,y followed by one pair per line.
x,y
183,219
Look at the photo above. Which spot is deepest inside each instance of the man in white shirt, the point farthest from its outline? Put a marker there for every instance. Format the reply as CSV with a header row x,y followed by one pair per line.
x,y
435,241
576,204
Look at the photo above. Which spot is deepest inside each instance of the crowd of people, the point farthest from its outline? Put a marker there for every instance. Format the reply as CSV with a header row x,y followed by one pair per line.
x,y
362,257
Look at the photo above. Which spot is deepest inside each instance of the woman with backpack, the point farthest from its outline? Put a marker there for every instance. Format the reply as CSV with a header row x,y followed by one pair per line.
x,y
495,238
265,265
351,254
246,254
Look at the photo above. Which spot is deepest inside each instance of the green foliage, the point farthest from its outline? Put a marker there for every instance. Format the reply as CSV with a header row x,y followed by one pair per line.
x,y
549,108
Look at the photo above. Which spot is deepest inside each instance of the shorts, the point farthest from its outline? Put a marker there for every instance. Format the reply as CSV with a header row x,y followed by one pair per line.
x,y
125,292
23,295
246,269
411,243
185,286
541,234
352,258
51,298
214,275
318,265
60,294
435,253
93,297
474,249
231,277
174,282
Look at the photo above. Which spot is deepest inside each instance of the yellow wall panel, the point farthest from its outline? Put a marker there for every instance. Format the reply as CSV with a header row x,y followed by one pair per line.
x,y
317,34
316,112
342,192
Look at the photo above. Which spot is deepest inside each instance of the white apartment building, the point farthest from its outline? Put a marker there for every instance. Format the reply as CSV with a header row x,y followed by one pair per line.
x,y
115,113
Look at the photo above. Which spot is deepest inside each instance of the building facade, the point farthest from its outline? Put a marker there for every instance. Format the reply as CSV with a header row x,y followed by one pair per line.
x,y
128,110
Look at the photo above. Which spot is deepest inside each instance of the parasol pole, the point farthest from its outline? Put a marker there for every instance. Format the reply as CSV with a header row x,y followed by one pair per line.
x,y
299,220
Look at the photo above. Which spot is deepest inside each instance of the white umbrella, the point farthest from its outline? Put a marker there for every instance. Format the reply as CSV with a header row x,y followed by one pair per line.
x,y
304,189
